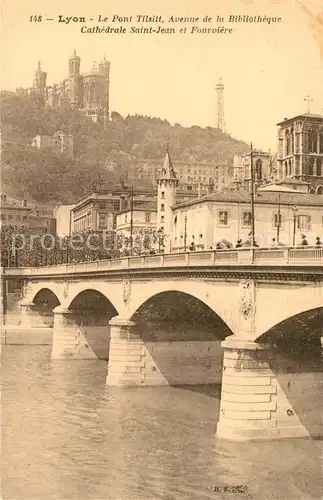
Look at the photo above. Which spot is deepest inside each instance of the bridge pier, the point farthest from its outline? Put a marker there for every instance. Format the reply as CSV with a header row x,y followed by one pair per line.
x,y
68,340
29,316
253,405
130,363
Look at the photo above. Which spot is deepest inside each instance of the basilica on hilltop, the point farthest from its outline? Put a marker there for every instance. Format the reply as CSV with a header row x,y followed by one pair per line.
x,y
88,92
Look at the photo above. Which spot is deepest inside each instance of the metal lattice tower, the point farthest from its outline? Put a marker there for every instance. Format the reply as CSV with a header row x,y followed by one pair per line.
x,y
220,105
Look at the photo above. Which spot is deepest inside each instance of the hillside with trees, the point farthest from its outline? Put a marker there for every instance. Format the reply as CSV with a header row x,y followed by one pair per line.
x,y
42,175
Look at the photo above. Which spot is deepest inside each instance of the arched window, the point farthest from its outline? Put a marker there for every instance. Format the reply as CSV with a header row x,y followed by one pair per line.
x,y
259,169
321,141
319,190
292,140
286,169
86,93
311,166
312,140
287,142
289,168
92,93
319,167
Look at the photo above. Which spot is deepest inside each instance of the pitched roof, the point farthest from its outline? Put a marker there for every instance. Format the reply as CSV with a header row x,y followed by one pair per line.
x,y
304,115
168,171
269,197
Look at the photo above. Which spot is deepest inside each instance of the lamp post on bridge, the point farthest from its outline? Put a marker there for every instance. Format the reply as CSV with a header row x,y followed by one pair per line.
x,y
252,180
294,212
185,232
279,219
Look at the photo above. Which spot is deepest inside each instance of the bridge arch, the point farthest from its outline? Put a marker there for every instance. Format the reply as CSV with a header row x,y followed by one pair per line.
x,y
296,359
175,309
100,288
90,313
221,304
44,303
288,301
182,338
37,291
46,295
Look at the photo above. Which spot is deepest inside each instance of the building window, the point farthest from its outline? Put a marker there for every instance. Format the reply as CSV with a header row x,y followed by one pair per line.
x,y
223,218
304,222
277,220
116,205
102,222
311,166
3,217
147,216
312,140
319,167
162,207
10,217
259,169
24,217
246,219
163,195
162,219
126,218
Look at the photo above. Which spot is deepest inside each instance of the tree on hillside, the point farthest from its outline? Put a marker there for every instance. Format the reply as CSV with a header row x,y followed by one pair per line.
x,y
136,137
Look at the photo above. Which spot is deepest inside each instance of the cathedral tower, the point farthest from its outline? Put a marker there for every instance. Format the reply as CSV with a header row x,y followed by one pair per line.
x,y
40,81
166,198
74,63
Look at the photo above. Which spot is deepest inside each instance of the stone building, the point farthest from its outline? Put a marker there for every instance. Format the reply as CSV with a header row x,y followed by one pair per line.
x,y
59,142
191,175
16,212
227,215
98,210
141,217
263,166
88,92
300,153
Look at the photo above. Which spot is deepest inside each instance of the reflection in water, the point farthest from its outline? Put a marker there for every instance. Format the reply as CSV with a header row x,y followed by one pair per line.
x,y
68,436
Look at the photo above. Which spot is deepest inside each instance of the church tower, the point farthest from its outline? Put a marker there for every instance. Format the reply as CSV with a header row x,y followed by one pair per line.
x,y
74,63
166,198
40,81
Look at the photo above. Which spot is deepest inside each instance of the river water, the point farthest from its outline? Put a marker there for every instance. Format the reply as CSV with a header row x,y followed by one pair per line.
x,y
66,435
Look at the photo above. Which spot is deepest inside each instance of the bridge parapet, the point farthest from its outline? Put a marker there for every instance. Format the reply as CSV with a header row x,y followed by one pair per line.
x,y
238,257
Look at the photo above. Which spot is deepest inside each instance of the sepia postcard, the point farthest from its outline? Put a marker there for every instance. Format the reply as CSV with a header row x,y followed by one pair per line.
x,y
161,222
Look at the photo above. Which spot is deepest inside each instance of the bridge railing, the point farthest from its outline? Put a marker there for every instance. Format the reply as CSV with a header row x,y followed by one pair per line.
x,y
233,257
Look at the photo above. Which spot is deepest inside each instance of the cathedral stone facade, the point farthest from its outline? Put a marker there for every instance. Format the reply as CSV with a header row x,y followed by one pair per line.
x,y
88,92
300,153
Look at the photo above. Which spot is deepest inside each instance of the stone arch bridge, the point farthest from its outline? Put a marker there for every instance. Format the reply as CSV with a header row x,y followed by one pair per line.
x,y
254,293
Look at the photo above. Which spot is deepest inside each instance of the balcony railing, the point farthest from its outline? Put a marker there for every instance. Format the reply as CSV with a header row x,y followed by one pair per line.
x,y
210,258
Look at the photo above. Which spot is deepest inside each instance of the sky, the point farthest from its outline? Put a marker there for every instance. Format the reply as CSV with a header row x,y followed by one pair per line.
x,y
267,70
